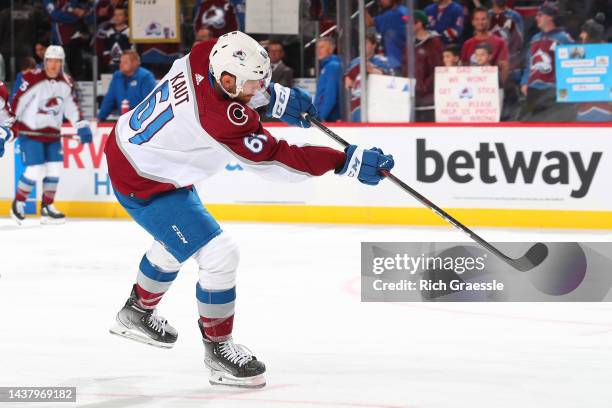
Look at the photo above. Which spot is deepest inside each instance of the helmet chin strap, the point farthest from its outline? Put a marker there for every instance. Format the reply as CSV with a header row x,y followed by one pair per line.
x,y
228,93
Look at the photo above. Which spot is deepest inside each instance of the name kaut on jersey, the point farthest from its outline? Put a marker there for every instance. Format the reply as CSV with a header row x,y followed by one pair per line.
x,y
492,162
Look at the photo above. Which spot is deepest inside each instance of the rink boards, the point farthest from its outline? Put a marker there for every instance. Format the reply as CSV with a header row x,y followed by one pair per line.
x,y
549,176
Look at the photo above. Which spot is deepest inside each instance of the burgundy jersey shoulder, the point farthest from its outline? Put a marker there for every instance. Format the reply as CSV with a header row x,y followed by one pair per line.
x,y
220,116
4,94
32,78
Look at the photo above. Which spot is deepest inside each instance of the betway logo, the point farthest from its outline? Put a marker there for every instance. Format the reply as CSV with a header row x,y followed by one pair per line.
x,y
553,167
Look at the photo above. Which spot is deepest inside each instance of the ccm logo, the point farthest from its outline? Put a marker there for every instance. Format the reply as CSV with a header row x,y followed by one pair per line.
x,y
179,234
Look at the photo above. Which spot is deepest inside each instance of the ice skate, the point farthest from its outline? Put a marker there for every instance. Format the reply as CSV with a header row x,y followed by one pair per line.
x,y
18,211
232,364
49,215
142,325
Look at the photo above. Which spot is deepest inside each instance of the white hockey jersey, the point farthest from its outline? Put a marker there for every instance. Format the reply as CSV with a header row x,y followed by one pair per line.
x,y
41,103
185,131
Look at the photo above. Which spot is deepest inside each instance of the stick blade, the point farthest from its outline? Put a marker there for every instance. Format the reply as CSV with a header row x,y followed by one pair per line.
x,y
532,258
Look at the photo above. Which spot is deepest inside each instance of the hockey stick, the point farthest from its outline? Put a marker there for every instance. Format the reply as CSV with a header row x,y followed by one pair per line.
x,y
53,135
532,258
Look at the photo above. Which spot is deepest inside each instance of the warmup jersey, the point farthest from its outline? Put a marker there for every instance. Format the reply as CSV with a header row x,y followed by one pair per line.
x,y
186,131
41,103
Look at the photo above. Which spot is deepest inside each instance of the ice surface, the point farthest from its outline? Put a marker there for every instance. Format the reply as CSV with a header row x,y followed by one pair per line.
x,y
299,310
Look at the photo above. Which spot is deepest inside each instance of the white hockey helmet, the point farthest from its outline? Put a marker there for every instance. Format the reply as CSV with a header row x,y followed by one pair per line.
x,y
55,52
241,56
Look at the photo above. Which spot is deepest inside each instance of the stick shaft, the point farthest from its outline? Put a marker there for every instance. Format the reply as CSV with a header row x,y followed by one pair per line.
x,y
52,135
419,197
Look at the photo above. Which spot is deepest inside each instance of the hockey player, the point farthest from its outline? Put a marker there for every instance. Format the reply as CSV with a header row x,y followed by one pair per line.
x,y
200,116
6,118
44,98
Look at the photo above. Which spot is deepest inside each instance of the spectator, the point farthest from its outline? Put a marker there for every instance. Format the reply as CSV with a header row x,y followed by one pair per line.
x,y
27,64
281,73
593,32
483,55
539,79
446,18
451,55
428,56
376,64
130,83
508,24
105,10
68,30
39,52
113,39
328,86
203,34
499,48
391,24
218,15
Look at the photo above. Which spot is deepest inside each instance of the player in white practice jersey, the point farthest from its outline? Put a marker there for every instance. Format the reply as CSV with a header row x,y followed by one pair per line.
x,y
200,116
6,118
44,98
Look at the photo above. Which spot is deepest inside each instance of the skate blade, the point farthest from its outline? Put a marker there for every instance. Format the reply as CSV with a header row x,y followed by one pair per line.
x,y
122,331
52,221
228,380
17,220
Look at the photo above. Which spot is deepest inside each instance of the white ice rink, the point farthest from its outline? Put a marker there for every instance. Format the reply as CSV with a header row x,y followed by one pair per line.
x,y
299,310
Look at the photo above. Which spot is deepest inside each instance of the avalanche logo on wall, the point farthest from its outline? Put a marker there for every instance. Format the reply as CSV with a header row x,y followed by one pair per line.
x,y
214,17
236,114
154,29
51,106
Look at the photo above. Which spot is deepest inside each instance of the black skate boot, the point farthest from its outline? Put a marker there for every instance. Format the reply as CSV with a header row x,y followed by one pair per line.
x,y
142,325
232,364
18,211
51,215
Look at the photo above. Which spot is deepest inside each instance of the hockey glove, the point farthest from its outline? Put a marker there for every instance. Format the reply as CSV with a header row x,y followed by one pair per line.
x,y
288,104
366,165
5,135
84,131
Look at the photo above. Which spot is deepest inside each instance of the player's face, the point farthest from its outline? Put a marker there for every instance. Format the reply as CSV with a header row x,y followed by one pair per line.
x,y
53,67
480,21
249,88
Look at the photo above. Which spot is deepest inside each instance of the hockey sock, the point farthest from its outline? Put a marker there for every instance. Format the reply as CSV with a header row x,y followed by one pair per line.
x,y
151,283
24,188
216,308
49,189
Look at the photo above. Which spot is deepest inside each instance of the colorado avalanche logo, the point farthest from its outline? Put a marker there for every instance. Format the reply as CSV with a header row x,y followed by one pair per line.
x,y
541,62
466,93
241,55
237,114
214,17
51,106
153,29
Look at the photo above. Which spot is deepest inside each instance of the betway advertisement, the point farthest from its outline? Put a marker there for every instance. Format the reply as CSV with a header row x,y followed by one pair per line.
x,y
496,167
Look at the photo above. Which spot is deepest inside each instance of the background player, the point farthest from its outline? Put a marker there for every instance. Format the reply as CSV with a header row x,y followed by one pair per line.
x,y
6,118
200,116
44,98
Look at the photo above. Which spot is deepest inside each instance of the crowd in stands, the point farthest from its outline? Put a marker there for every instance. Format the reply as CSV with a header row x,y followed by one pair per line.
x,y
518,37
